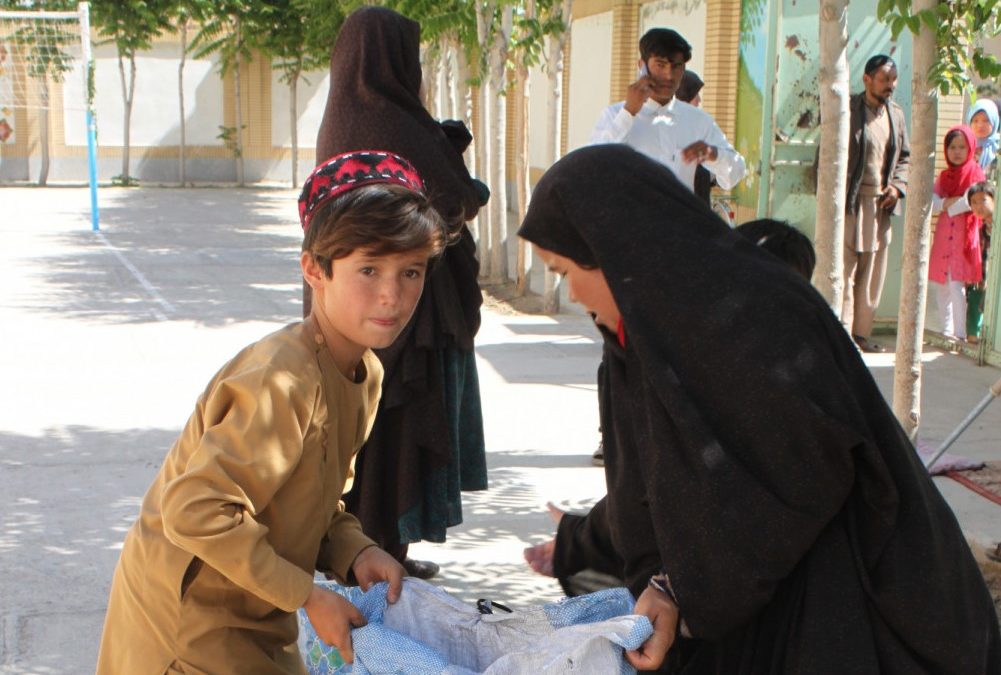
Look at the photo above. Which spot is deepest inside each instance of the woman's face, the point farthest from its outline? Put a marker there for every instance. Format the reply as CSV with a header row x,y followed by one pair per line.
x,y
981,125
587,287
957,151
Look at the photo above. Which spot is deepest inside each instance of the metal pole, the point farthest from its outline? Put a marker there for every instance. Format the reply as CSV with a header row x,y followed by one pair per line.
x,y
992,393
84,13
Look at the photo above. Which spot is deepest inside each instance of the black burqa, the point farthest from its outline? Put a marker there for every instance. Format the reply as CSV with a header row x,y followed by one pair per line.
x,y
430,402
752,457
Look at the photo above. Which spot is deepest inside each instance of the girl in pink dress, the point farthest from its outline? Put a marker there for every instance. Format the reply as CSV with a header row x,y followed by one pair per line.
x,y
955,252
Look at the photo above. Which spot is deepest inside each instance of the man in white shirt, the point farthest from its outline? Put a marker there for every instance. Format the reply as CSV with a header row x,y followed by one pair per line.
x,y
652,121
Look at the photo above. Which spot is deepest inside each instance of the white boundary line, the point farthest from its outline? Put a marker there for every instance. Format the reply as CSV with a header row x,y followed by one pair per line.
x,y
143,281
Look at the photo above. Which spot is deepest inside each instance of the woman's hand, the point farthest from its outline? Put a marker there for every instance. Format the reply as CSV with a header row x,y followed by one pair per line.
x,y
664,615
374,565
540,557
333,616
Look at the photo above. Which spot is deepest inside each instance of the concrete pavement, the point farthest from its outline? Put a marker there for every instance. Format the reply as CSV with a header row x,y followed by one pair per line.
x,y
108,339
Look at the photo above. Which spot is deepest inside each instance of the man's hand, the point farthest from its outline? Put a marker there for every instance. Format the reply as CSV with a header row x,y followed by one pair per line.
x,y
332,617
890,197
664,616
637,94
374,565
540,557
699,152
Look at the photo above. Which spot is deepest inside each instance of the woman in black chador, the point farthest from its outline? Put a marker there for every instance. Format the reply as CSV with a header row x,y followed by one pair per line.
x,y
427,442
770,512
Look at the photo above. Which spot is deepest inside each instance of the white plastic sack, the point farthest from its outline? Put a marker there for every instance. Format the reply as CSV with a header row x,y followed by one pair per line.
x,y
429,632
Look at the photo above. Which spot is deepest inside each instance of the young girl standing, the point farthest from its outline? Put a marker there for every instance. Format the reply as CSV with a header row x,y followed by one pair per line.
x,y
955,252
248,502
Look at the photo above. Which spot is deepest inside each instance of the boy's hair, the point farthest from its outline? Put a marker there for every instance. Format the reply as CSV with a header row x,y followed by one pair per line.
x,y
784,242
664,42
982,186
382,218
878,61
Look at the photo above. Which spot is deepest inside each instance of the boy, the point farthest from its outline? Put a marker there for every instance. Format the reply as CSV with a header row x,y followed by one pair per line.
x,y
228,537
980,197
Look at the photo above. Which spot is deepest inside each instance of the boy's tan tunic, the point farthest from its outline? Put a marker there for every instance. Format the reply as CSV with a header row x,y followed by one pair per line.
x,y
246,504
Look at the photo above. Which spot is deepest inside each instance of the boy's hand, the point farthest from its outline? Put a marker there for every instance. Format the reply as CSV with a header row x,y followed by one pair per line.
x,y
637,94
664,616
699,152
333,616
374,565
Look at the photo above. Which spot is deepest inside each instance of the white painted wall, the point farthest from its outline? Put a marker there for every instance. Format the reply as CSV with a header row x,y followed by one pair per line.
x,y
590,75
311,99
155,108
688,17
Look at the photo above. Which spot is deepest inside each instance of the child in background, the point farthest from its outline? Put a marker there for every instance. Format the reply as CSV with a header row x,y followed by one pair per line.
x,y
984,120
981,200
955,252
248,503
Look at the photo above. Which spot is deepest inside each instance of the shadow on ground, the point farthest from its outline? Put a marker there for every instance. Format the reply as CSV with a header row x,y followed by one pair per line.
x,y
209,256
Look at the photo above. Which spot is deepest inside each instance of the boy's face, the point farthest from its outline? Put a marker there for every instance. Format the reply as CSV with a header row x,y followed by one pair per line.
x,y
982,205
665,75
367,300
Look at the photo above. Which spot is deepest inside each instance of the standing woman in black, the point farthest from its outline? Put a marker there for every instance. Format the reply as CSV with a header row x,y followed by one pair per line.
x,y
770,512
427,443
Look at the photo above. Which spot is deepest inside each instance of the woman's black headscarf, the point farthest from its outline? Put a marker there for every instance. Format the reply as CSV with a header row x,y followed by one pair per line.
x,y
374,102
764,471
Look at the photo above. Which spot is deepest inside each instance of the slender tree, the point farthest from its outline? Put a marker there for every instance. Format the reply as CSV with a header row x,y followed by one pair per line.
x,y
286,22
131,26
526,51
184,15
233,28
949,39
558,23
832,165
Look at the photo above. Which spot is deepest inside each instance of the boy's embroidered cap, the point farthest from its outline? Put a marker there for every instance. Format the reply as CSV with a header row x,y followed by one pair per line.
x,y
350,170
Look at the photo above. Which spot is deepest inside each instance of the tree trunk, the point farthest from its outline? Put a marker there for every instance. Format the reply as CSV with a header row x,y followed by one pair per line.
x,y
522,161
432,60
521,170
128,91
554,134
484,19
498,174
464,112
293,89
451,80
917,231
43,131
833,161
183,149
238,136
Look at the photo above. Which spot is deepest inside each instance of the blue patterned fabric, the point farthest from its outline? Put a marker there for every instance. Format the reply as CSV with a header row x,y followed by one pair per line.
x,y
428,632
